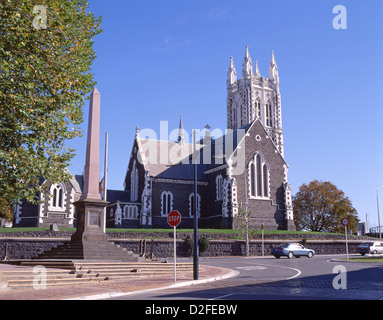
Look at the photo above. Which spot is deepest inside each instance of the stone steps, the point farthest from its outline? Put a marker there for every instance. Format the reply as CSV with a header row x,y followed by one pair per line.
x,y
74,250
81,272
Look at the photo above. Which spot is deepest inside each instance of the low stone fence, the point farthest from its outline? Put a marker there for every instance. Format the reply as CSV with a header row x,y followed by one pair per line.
x,y
16,248
182,235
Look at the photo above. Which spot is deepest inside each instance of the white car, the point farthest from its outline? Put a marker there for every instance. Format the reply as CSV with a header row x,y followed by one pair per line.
x,y
373,247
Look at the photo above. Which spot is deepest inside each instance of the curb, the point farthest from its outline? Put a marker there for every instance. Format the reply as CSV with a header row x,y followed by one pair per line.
x,y
109,295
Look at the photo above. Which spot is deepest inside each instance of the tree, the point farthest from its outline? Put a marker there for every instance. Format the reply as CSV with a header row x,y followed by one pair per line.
x,y
6,210
320,206
46,52
243,224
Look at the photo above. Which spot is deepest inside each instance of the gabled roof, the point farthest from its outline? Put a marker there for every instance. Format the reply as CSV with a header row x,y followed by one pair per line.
x,y
173,160
167,159
222,148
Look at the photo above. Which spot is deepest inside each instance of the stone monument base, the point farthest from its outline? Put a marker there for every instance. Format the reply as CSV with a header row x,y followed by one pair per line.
x,y
90,242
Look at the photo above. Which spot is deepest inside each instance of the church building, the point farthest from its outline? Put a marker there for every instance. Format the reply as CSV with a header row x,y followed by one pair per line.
x,y
243,169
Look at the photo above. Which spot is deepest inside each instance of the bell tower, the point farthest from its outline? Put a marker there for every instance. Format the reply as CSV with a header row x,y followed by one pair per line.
x,y
255,97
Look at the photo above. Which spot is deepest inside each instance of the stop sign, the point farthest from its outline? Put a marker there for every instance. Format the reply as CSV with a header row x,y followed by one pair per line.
x,y
174,218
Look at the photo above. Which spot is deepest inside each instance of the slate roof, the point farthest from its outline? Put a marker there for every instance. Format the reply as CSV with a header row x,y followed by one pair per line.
x,y
112,196
171,160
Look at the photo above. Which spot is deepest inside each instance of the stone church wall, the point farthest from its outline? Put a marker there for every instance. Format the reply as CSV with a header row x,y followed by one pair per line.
x,y
270,211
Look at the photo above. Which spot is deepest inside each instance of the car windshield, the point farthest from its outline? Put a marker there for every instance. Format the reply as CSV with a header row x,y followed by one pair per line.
x,y
368,244
284,245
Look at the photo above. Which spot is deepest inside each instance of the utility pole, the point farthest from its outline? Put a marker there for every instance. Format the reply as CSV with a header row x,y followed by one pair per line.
x,y
377,204
246,221
196,253
105,175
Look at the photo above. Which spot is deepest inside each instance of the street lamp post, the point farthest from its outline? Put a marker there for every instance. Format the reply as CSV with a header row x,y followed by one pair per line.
x,y
377,204
196,253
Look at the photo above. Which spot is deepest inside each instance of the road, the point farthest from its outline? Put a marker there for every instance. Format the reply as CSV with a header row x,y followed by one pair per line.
x,y
267,278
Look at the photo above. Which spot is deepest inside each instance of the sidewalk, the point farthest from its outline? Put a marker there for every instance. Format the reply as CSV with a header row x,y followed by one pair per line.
x,y
105,289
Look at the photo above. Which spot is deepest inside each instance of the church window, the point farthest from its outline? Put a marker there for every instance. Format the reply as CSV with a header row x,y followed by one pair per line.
x,y
166,202
258,177
219,187
269,114
252,179
191,205
134,182
130,212
258,108
134,212
126,211
57,200
265,181
234,118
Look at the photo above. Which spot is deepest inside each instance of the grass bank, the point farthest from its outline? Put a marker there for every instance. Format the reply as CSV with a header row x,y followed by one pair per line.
x,y
367,259
233,233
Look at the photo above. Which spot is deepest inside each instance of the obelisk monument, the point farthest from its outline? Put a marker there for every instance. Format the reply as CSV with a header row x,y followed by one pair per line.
x,y
90,207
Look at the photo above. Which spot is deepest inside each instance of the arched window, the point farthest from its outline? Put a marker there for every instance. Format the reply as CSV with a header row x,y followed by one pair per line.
x,y
166,202
57,199
134,182
265,181
191,205
252,179
257,108
269,114
219,187
234,116
258,177
130,212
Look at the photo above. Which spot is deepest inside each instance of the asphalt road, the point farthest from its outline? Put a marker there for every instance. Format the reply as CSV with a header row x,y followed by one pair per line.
x,y
267,278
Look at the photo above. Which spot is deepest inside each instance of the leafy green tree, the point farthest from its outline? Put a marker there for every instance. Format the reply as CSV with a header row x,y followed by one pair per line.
x,y
320,206
46,51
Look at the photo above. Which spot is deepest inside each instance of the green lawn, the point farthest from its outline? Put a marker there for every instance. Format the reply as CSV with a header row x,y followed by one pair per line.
x,y
167,230
367,259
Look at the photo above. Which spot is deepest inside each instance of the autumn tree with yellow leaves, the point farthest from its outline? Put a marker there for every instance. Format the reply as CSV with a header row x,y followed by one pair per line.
x,y
320,206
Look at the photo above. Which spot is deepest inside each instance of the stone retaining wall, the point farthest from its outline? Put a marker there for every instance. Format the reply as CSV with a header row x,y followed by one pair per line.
x,y
27,248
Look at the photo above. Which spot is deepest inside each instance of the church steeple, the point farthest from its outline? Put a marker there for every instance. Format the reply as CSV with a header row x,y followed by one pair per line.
x,y
273,69
247,66
232,74
180,139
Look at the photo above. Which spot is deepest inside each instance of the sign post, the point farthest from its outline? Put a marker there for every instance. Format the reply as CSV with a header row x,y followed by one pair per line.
x,y
263,245
174,219
345,222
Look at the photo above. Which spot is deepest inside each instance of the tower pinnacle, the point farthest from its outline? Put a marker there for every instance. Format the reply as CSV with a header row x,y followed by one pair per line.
x,y
232,74
273,69
247,66
181,140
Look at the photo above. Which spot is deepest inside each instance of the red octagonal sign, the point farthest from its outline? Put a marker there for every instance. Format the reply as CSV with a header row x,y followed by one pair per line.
x,y
174,218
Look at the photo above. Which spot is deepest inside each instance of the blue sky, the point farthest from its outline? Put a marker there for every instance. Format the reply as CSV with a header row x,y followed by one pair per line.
x,y
157,59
